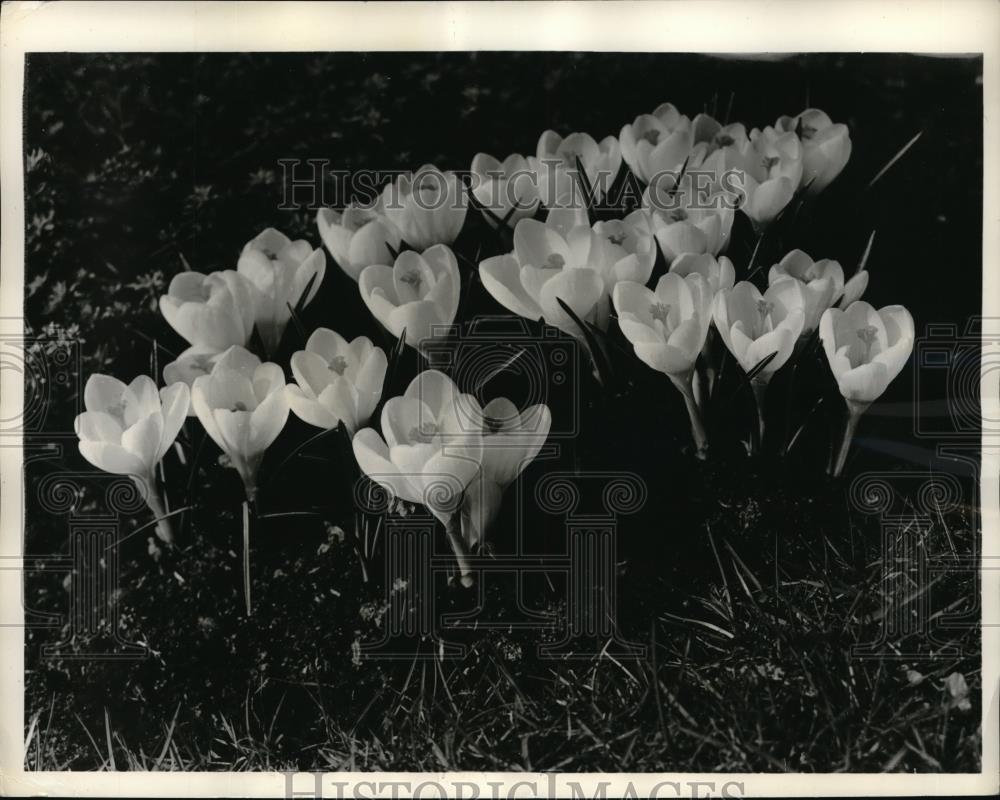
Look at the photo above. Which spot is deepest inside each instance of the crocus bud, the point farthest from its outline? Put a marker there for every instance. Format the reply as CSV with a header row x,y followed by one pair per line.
x,y
428,207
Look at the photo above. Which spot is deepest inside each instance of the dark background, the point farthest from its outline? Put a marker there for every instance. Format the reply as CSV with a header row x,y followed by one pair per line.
x,y
139,165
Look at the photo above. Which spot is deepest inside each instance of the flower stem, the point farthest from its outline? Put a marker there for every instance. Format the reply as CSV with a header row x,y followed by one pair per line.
x,y
686,388
452,529
759,392
853,416
246,555
164,530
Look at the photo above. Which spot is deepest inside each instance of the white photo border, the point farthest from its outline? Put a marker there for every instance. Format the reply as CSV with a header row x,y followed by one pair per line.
x,y
723,26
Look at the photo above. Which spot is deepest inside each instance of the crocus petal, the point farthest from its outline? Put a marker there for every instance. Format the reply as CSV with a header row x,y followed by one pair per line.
x,y
175,401
373,458
112,458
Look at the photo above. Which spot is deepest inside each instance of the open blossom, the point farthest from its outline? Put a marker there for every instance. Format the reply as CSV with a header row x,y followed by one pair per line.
x,y
212,311
580,268
433,445
753,325
826,147
428,207
866,348
555,165
506,190
666,326
127,429
281,270
418,293
690,219
657,143
822,284
511,440
336,381
358,237
770,165
242,406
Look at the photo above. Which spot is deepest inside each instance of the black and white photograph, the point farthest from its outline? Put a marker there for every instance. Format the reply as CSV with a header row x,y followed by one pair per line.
x,y
540,411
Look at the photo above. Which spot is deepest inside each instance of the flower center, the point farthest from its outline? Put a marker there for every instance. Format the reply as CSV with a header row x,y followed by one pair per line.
x,y
424,433
238,406
412,278
724,140
807,132
764,308
555,261
769,162
868,335
617,238
678,215
492,424
338,364
659,311
652,136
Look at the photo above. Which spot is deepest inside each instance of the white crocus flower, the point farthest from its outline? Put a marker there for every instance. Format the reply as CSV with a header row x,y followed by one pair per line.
x,y
718,272
506,190
822,283
432,450
667,328
555,165
753,326
127,429
336,381
417,294
189,365
511,440
281,270
242,406
580,268
770,165
357,237
866,350
658,143
688,220
428,207
826,147
211,311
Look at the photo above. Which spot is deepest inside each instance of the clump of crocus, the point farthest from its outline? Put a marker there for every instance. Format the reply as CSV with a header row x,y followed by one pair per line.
x,y
866,349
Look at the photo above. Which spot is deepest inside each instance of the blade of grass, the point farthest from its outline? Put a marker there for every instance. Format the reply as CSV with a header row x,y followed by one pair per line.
x,y
596,352
107,732
902,151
